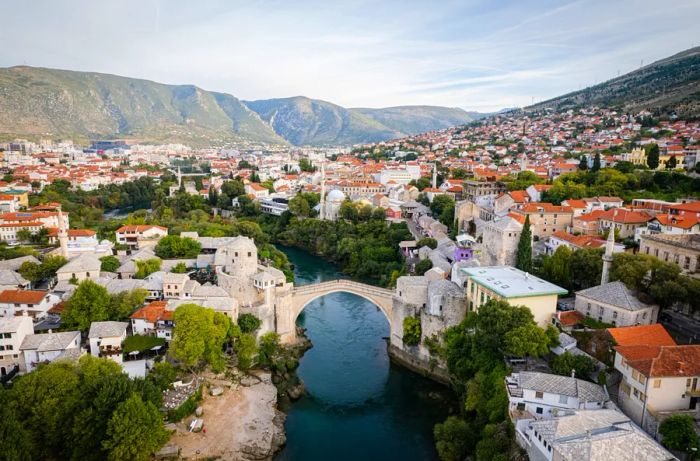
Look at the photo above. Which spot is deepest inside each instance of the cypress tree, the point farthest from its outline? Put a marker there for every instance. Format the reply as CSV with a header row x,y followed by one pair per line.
x,y
583,163
596,162
524,257
652,156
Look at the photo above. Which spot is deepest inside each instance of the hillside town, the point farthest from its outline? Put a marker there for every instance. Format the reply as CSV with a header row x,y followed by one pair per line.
x,y
500,210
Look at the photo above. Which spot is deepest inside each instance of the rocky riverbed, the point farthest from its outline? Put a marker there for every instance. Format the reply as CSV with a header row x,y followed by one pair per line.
x,y
242,424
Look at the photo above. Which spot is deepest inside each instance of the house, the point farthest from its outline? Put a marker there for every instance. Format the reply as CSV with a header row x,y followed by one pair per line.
x,y
82,267
513,285
615,304
546,219
672,224
35,303
47,347
546,395
11,280
681,250
625,222
587,223
106,339
140,236
82,241
646,335
177,285
658,381
13,330
567,320
600,435
145,320
576,242
256,190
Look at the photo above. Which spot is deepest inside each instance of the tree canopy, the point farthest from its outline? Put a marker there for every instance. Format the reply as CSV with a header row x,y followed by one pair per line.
x,y
199,336
174,246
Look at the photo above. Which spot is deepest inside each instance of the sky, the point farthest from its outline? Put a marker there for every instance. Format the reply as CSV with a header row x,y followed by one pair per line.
x,y
474,54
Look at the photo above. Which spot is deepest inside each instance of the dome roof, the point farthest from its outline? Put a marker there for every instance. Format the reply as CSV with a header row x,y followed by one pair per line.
x,y
335,195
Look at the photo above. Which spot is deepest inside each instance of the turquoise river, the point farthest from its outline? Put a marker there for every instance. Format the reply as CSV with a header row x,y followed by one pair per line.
x,y
358,405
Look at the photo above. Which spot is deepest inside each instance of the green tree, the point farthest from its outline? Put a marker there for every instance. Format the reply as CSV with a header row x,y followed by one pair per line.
x,y
443,208
452,438
123,304
30,271
135,431
15,439
89,303
269,347
583,163
652,151
411,331
179,268
248,323
174,246
146,267
199,336
524,257
51,264
299,206
246,350
678,432
24,235
527,340
564,364
427,241
424,266
672,163
109,263
557,268
596,162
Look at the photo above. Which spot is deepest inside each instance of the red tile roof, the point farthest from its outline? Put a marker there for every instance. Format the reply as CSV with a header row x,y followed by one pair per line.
x,y
648,335
150,312
570,318
139,228
663,361
22,296
624,216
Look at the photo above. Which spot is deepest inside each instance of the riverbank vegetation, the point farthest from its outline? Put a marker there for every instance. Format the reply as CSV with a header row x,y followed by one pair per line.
x,y
88,410
474,353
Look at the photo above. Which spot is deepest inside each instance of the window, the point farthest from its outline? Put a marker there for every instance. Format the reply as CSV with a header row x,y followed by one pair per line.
x,y
540,395
539,411
657,383
563,399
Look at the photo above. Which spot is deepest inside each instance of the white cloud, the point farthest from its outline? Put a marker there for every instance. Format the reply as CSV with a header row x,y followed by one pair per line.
x,y
474,54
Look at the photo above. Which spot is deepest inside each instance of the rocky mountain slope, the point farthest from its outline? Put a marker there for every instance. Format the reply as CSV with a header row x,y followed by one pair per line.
x,y
671,85
38,102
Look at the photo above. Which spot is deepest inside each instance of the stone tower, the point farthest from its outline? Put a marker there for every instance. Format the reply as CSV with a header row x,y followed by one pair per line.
x,y
62,234
322,203
608,256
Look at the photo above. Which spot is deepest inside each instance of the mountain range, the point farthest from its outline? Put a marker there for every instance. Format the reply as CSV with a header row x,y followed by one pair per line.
x,y
40,102
667,86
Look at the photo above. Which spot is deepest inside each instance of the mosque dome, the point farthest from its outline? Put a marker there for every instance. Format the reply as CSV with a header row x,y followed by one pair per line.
x,y
335,196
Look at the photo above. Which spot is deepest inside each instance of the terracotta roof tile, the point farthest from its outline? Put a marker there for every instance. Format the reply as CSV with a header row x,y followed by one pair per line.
x,y
649,335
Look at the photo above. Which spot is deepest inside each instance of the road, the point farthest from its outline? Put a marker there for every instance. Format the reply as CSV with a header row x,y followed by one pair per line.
x,y
686,329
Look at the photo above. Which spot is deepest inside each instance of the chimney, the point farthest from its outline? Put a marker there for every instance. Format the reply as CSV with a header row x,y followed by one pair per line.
x,y
573,373
50,331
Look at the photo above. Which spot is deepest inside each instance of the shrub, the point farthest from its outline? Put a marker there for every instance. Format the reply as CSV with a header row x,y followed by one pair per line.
x,y
248,323
411,331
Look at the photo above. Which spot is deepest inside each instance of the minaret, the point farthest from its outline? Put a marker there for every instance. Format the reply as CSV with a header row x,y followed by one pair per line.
x,y
608,256
179,178
322,203
434,175
62,234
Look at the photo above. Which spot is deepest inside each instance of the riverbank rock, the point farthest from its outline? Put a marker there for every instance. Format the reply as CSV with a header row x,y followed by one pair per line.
x,y
295,392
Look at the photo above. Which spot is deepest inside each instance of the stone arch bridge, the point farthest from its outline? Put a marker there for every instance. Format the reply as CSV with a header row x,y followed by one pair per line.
x,y
304,294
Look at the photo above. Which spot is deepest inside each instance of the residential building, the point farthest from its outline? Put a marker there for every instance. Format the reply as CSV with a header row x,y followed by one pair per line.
x,y
140,236
32,302
512,285
546,219
82,241
681,250
82,267
615,304
13,330
547,395
145,320
106,339
595,435
658,381
274,205
47,347
576,242
625,222
475,189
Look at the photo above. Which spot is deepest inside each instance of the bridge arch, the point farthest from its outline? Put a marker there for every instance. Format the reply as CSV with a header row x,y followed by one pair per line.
x,y
303,295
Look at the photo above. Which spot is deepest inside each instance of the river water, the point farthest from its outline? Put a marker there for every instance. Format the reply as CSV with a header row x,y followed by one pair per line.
x,y
358,405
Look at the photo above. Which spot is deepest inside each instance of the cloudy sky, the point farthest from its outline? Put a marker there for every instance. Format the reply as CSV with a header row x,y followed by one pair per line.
x,y
475,54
